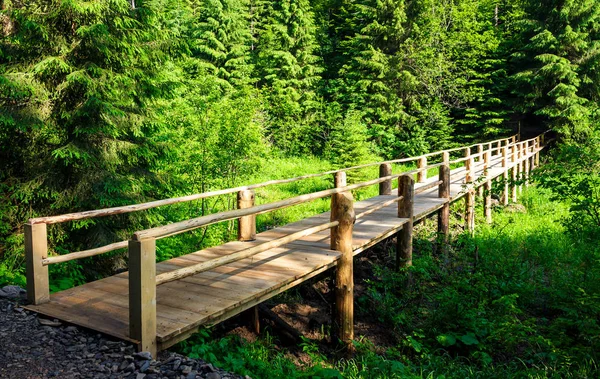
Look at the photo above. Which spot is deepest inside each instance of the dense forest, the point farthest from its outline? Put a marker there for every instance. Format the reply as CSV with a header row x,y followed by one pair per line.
x,y
115,102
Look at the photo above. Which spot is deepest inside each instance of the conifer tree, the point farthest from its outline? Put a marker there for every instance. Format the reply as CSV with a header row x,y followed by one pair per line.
x,y
288,70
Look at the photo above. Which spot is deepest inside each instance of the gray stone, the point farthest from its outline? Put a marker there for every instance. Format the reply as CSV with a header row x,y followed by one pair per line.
x,y
46,322
144,366
213,375
143,355
12,292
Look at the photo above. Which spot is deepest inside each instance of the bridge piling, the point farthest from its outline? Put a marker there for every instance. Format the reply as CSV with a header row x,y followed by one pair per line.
x,y
444,212
487,189
406,189
514,174
505,191
342,210
142,293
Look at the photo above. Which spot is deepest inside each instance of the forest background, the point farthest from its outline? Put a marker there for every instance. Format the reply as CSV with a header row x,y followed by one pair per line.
x,y
114,102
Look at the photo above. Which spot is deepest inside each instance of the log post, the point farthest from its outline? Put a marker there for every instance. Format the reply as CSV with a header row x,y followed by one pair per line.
x,y
246,224
339,179
537,153
481,161
247,232
526,166
385,188
468,165
36,249
521,167
406,189
515,170
505,191
342,210
422,174
470,211
487,189
142,293
444,212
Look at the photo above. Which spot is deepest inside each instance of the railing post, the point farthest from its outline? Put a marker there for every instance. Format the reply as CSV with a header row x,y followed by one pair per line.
x,y
505,192
444,212
481,161
487,189
470,196
246,224
142,293
422,174
468,165
385,188
247,232
342,210
339,179
521,167
526,167
406,189
537,153
36,249
515,170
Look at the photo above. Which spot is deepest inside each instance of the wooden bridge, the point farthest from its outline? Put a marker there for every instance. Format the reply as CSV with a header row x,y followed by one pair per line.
x,y
156,305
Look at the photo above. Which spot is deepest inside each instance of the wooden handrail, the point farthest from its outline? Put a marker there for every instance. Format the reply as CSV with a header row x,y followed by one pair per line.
x,y
158,203
137,207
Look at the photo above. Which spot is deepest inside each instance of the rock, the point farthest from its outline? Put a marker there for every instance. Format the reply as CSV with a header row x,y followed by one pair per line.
x,y
13,292
213,375
186,369
140,376
46,322
143,355
144,366
191,375
176,364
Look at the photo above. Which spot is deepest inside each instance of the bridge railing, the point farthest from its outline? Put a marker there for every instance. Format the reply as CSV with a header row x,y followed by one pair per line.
x,y
143,243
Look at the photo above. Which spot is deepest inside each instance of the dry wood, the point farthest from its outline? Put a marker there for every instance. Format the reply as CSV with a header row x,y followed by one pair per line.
x,y
342,212
84,253
36,250
385,188
246,224
422,166
406,190
142,294
340,180
505,191
444,212
470,211
514,174
246,253
183,226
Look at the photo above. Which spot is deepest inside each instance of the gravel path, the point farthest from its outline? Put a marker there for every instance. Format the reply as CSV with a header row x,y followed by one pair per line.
x,y
32,347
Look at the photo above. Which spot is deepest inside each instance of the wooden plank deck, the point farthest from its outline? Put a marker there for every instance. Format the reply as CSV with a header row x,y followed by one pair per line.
x,y
218,294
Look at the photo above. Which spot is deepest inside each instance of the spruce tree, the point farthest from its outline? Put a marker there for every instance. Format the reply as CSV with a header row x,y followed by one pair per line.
x,y
288,70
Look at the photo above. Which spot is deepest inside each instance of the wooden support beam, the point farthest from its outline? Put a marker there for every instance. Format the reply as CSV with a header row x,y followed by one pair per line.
x,y
406,189
247,232
142,294
514,173
537,154
506,190
246,224
470,211
422,174
444,212
481,161
385,188
487,189
342,211
36,250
